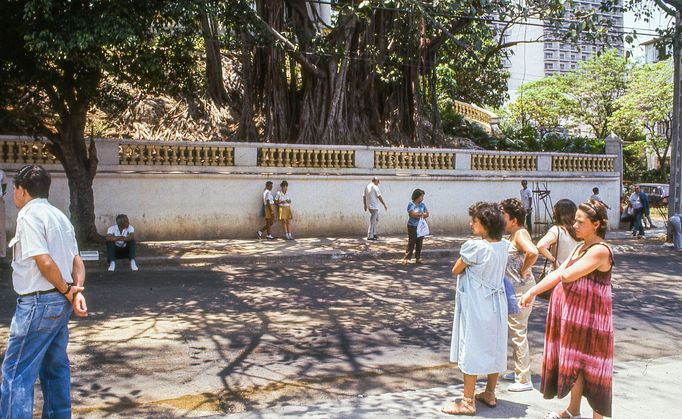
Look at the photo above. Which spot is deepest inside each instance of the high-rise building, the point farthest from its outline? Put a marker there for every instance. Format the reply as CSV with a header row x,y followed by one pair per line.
x,y
533,61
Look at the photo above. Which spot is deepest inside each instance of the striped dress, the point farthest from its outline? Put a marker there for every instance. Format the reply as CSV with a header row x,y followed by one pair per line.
x,y
579,338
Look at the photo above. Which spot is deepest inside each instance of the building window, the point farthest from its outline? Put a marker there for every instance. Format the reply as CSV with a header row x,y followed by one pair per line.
x,y
548,55
549,45
549,66
573,66
562,56
561,66
573,57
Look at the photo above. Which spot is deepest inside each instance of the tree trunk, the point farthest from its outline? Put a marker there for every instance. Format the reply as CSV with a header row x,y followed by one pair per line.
x,y
80,165
214,67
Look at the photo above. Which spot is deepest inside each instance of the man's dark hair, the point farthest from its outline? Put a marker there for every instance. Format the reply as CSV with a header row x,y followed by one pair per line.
x,y
120,218
417,193
268,183
595,190
491,218
514,208
35,179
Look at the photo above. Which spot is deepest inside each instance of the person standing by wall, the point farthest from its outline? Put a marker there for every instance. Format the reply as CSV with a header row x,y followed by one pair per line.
x,y
283,201
527,201
416,210
268,212
3,232
479,329
595,195
48,276
522,256
638,208
370,200
578,356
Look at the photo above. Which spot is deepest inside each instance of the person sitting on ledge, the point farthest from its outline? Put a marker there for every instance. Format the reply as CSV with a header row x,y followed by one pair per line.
x,y
121,243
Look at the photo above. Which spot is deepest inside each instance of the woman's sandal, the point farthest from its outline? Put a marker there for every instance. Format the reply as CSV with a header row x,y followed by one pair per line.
x,y
464,406
487,398
560,415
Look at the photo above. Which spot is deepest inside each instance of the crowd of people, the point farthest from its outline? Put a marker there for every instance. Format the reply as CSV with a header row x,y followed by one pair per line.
x,y
495,291
578,352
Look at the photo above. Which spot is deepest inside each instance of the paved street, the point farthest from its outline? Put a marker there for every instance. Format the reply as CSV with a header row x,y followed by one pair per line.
x,y
173,341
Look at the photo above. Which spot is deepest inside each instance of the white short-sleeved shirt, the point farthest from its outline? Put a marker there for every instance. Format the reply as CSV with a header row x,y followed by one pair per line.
x,y
526,198
114,231
635,201
267,197
372,194
42,229
281,198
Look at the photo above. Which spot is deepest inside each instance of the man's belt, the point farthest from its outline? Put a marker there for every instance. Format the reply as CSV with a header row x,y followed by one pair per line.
x,y
39,293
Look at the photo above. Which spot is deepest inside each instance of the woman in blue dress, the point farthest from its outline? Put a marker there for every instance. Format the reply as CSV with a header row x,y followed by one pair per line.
x,y
479,330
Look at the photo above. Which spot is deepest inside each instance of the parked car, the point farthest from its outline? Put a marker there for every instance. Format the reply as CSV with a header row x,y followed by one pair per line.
x,y
657,193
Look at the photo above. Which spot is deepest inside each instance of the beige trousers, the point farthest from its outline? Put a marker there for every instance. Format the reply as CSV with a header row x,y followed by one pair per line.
x,y
518,335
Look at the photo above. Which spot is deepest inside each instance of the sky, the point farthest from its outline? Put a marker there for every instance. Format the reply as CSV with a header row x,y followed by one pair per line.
x,y
659,20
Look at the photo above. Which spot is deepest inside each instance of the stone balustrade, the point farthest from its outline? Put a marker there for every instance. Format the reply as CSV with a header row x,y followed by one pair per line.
x,y
306,157
504,162
582,163
175,154
471,112
413,160
16,151
26,152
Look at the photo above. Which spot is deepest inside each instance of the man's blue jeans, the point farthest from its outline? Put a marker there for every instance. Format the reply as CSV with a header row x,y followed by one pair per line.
x,y
37,344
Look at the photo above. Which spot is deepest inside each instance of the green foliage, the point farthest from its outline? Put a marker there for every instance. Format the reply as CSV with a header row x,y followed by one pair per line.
x,y
542,104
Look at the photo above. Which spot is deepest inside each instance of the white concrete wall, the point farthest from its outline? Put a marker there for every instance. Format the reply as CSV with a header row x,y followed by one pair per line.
x,y
226,205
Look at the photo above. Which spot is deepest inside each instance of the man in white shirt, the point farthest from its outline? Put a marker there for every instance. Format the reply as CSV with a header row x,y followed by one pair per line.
x,y
527,201
3,232
48,276
596,197
638,207
121,243
370,199
268,211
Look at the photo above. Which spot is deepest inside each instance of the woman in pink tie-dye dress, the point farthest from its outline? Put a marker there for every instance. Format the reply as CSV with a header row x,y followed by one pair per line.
x,y
578,357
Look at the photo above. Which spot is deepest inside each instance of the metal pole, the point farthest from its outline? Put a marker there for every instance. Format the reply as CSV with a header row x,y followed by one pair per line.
x,y
675,197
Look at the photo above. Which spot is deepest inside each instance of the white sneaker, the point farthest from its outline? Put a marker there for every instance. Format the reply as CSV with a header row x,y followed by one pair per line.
x,y
518,387
269,237
510,376
133,265
259,234
112,266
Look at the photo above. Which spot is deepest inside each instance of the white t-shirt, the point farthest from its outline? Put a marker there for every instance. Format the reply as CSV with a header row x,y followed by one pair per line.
x,y
281,198
267,197
114,231
526,198
565,242
41,230
635,201
372,194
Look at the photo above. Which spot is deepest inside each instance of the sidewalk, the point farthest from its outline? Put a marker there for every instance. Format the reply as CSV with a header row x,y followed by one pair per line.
x,y
642,389
335,248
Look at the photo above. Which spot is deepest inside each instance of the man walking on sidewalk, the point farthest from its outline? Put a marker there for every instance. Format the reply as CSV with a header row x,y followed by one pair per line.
x,y
370,199
527,201
48,276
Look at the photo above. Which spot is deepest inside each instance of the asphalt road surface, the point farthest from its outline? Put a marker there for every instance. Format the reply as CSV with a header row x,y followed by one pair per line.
x,y
179,341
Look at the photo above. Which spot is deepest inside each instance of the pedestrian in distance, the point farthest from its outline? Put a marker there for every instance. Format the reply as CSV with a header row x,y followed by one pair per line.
x,y
267,211
283,201
48,274
578,356
527,201
370,200
121,242
479,330
638,207
416,210
522,257
558,243
675,227
595,195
